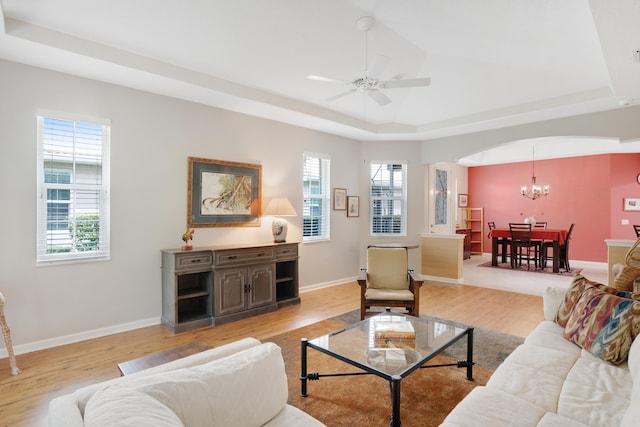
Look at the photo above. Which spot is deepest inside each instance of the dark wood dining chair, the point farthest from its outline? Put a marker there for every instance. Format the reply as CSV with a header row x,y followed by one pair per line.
x,y
522,247
540,224
637,229
503,242
564,251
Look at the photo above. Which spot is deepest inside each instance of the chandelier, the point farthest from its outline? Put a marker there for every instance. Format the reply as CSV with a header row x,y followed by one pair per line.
x,y
535,190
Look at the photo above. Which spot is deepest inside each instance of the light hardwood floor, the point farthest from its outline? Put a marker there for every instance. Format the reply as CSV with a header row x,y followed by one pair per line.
x,y
53,372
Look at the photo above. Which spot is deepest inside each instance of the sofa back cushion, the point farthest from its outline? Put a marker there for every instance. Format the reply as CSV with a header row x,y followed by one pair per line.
x,y
604,324
248,388
116,407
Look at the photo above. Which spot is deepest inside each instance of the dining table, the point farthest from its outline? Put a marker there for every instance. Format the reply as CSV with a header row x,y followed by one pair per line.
x,y
557,235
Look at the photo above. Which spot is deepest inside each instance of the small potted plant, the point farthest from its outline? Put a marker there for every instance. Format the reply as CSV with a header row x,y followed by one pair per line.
x,y
188,235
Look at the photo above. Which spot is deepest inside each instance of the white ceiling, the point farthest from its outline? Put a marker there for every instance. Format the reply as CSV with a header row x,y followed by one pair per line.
x,y
492,63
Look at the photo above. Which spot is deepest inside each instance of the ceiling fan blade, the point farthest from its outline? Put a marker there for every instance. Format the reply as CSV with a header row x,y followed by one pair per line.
x,y
393,84
379,97
327,79
340,95
377,65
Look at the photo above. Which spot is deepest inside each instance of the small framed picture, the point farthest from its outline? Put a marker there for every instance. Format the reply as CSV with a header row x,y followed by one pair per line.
x,y
353,206
463,200
339,199
631,204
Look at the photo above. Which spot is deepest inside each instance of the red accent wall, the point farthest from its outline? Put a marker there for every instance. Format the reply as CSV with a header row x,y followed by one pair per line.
x,y
587,191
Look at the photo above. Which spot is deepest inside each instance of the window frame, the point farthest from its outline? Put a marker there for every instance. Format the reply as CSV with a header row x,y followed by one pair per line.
x,y
375,198
324,176
101,188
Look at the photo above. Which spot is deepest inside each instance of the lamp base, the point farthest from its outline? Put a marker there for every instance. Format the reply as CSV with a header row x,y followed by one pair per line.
x,y
279,230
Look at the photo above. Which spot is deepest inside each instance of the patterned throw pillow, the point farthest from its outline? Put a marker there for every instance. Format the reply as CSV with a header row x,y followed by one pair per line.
x,y
575,291
604,324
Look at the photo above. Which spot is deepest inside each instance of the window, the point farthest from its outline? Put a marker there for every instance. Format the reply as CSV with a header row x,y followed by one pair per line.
x,y
73,184
388,199
316,198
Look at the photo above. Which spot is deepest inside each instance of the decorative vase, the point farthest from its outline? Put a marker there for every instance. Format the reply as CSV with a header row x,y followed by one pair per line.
x,y
186,247
530,220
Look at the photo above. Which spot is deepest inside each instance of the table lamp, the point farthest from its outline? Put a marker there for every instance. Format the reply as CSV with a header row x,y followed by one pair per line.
x,y
279,206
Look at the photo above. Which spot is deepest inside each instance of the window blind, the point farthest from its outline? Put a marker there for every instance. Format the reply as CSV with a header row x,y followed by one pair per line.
x,y
73,207
388,185
316,198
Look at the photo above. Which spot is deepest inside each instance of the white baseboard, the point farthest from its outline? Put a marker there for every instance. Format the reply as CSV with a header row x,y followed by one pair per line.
x,y
316,286
80,336
442,279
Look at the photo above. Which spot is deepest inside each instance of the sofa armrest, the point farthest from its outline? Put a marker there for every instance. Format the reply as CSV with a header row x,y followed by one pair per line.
x,y
551,299
64,412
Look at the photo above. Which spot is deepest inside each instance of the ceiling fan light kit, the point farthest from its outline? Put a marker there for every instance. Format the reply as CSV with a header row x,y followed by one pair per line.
x,y
369,82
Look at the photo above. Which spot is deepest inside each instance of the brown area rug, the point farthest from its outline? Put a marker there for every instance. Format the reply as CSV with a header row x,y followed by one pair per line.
x,y
532,269
428,395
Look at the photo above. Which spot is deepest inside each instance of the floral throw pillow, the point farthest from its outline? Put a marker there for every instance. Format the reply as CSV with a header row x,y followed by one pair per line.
x,y
604,324
575,291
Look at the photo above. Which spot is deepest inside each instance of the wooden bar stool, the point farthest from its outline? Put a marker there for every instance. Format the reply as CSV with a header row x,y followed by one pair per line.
x,y
7,339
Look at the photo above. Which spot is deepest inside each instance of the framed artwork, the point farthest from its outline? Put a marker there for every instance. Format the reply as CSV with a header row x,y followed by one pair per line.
x,y
353,206
223,194
631,204
339,199
463,200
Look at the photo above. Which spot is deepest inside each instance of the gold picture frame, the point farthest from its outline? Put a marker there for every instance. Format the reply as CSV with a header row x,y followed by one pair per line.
x,y
223,194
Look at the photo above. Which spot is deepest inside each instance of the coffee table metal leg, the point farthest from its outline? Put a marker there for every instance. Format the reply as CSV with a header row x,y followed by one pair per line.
x,y
395,401
303,367
470,354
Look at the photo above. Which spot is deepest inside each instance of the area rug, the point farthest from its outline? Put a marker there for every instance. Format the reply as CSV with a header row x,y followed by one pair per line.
x,y
427,396
532,269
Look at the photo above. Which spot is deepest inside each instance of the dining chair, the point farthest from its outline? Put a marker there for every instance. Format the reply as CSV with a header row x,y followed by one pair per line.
x,y
564,252
637,229
522,247
503,242
540,225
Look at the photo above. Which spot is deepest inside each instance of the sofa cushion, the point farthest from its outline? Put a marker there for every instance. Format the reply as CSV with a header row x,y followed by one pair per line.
x,y
604,324
549,335
533,373
488,407
596,392
248,388
83,394
113,407
575,291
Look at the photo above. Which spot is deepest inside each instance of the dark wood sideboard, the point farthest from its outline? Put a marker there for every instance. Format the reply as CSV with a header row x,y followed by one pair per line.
x,y
214,285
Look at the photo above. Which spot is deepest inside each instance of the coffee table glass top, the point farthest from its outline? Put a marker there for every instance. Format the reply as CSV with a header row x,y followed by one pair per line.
x,y
390,343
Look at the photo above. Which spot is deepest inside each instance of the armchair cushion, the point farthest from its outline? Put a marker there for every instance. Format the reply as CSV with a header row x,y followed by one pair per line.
x,y
387,268
391,294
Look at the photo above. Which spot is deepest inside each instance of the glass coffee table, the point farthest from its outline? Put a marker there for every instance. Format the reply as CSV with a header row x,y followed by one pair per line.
x,y
391,346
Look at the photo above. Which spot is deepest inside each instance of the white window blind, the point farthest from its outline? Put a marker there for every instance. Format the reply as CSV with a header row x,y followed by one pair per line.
x,y
316,198
388,199
73,184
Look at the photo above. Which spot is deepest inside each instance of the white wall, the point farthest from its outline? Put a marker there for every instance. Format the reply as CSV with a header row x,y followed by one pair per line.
x,y
151,138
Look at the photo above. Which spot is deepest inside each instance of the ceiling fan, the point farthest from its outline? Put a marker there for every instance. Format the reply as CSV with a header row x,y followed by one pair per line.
x,y
369,83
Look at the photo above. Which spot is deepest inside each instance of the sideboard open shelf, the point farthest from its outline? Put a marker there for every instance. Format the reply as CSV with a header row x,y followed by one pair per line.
x,y
215,285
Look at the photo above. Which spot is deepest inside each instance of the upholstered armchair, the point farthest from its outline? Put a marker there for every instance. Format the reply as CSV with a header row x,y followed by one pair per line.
x,y
388,282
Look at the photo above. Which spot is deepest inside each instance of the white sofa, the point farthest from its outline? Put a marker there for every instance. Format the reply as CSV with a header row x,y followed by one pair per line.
x,y
550,381
238,384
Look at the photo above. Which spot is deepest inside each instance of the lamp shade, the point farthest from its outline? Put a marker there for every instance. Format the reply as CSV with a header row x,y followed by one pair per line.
x,y
279,206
